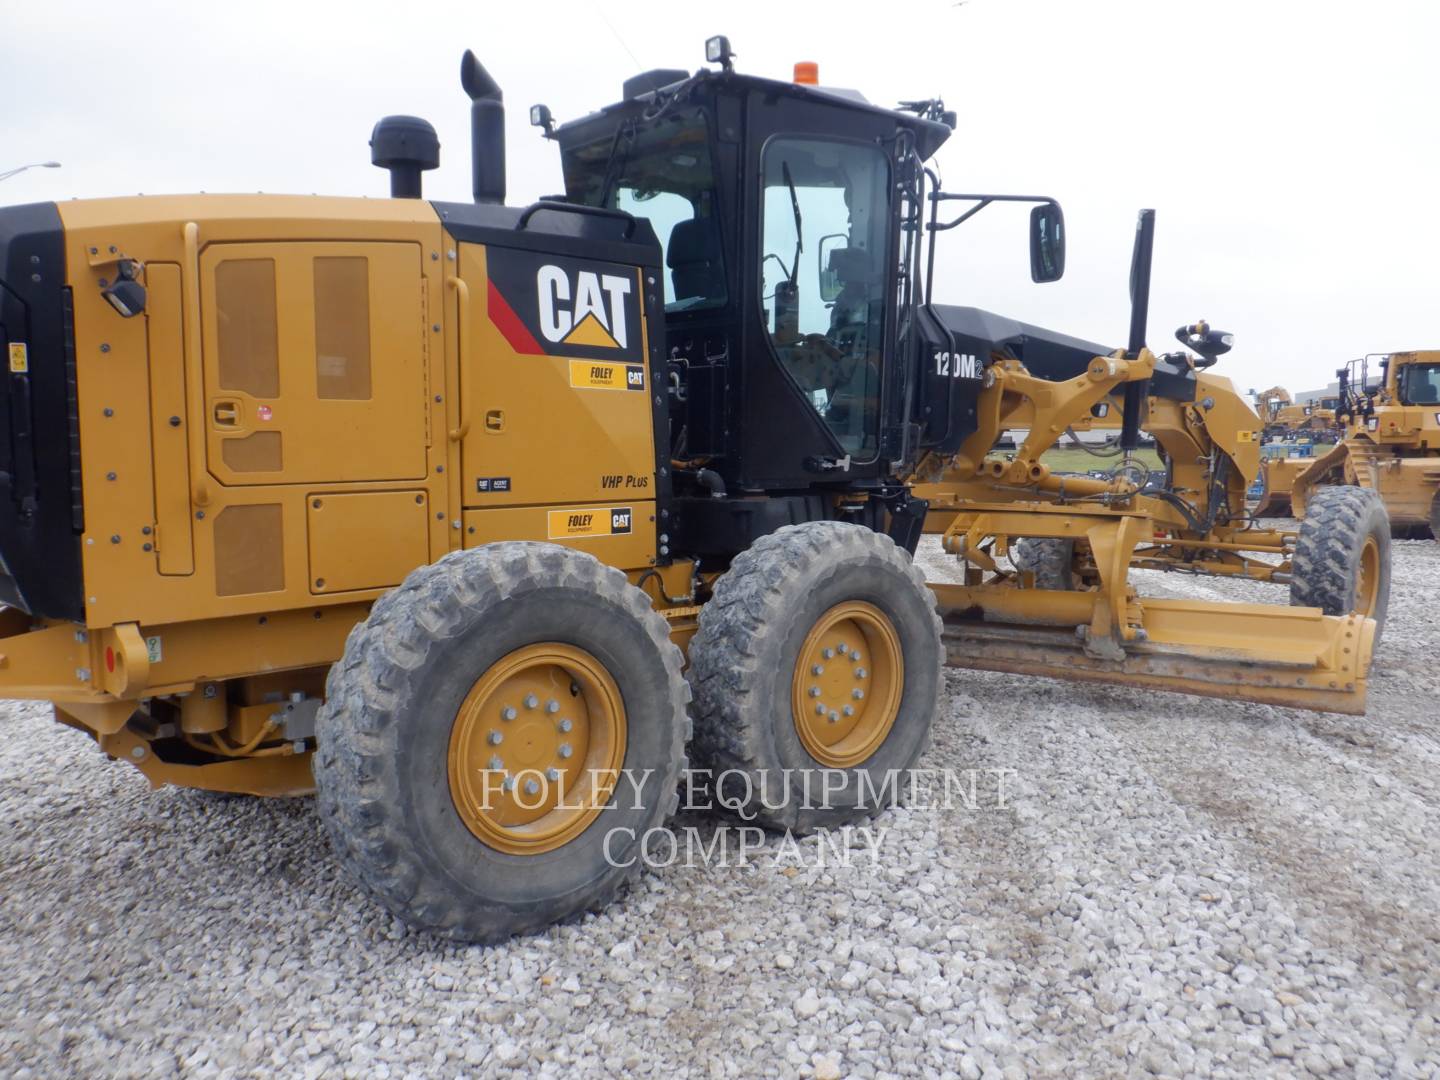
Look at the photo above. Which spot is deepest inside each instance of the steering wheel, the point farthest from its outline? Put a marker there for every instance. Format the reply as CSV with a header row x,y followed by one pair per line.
x,y
816,363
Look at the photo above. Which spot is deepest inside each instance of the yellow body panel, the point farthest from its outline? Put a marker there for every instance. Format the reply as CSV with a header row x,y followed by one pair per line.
x,y
556,429
156,489
296,421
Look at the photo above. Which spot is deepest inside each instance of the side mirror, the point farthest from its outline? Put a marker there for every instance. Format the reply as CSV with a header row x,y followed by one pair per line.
x,y
1047,243
830,283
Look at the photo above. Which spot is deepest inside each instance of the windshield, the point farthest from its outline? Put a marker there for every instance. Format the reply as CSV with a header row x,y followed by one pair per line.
x,y
661,172
1420,384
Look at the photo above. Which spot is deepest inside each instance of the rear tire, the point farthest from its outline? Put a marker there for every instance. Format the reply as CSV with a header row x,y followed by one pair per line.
x,y
1342,557
398,739
810,597
1435,516
1051,559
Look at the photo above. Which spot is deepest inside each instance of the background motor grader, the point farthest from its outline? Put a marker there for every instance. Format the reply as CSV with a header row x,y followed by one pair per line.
x,y
415,504
1391,444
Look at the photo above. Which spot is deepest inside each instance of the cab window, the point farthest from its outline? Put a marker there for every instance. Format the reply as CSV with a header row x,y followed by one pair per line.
x,y
661,172
1420,384
824,261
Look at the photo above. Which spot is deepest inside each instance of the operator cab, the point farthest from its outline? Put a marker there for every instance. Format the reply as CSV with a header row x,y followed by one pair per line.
x,y
778,209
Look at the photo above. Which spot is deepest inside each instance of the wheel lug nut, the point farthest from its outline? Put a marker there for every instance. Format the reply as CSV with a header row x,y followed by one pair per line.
x,y
495,738
508,784
858,695
566,725
834,716
507,713
855,655
849,710
531,701
842,648
552,706
819,708
496,764
565,750
818,669
552,774
814,691
828,654
532,787
860,673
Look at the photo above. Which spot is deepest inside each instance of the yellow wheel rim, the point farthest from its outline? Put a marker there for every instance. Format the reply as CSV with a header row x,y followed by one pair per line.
x,y
536,748
1367,583
845,693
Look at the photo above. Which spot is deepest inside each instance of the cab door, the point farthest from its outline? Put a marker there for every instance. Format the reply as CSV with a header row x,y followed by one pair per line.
x,y
313,362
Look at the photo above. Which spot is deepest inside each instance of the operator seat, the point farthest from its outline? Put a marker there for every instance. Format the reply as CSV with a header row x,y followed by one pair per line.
x,y
693,256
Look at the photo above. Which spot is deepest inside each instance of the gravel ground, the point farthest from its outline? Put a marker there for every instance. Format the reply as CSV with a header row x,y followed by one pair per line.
x,y
1142,883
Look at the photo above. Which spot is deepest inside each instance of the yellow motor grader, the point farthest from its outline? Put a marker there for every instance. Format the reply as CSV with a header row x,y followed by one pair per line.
x,y
459,513
1392,441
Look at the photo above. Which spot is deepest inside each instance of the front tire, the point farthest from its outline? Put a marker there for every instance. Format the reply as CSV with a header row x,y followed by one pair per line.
x,y
1342,556
469,746
816,670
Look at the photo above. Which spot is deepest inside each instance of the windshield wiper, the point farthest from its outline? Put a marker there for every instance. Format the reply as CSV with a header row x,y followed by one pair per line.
x,y
794,205
614,163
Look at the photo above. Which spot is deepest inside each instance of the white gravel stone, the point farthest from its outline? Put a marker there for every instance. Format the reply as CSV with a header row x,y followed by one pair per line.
x,y
1172,885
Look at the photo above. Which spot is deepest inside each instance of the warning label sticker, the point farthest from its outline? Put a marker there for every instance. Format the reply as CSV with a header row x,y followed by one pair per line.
x,y
598,375
587,522
19,358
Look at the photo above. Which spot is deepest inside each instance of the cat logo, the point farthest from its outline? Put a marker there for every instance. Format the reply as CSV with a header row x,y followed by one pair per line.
x,y
588,522
580,309
597,315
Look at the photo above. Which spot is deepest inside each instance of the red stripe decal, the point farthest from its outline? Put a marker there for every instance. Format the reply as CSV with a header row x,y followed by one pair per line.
x,y
509,324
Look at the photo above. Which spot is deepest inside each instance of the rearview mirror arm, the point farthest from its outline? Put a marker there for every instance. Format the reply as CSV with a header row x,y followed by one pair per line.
x,y
937,196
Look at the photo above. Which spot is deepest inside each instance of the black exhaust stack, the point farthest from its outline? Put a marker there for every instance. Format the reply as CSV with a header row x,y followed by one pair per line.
x,y
407,146
487,130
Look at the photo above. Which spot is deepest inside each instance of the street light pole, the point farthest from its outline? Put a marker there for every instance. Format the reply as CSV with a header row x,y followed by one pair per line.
x,y
33,165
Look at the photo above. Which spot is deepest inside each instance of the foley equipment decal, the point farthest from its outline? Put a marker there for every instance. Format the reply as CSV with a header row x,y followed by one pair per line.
x,y
596,375
547,305
589,521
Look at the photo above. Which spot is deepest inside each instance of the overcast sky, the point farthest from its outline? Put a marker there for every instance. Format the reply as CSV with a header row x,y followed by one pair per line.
x,y
1291,149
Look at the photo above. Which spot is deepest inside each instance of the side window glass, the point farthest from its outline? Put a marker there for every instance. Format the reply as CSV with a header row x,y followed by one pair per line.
x,y
824,258
669,212
661,171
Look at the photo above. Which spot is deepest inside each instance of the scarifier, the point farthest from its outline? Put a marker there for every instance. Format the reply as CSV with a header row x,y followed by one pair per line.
x,y
418,503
